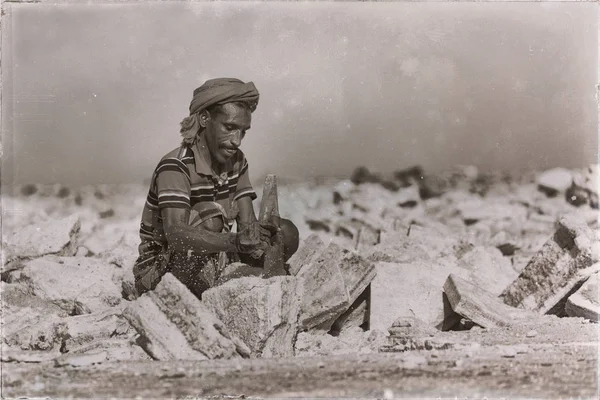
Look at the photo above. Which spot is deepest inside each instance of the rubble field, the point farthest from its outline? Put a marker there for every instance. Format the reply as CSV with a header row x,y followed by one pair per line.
x,y
457,284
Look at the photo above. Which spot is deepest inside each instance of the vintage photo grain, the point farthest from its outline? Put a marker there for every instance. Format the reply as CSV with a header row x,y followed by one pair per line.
x,y
234,200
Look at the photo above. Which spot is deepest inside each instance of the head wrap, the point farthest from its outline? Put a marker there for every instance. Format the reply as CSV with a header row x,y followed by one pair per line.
x,y
212,92
221,91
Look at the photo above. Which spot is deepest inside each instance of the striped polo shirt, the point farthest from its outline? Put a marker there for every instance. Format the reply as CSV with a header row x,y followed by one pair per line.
x,y
183,178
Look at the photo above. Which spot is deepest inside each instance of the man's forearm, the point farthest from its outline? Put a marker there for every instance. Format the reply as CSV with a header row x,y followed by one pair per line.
x,y
184,238
246,213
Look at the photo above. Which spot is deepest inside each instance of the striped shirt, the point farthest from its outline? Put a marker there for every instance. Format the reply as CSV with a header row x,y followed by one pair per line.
x,y
182,178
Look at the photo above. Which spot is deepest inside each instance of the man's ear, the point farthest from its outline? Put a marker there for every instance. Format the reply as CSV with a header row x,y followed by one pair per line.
x,y
203,118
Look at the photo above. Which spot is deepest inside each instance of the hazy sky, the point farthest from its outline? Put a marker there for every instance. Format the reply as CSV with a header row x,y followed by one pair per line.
x,y
96,93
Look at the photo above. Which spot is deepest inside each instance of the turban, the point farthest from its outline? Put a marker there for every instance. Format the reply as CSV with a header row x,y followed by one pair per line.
x,y
221,91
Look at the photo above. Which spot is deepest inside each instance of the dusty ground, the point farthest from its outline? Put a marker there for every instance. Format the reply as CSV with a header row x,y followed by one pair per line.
x,y
540,370
552,358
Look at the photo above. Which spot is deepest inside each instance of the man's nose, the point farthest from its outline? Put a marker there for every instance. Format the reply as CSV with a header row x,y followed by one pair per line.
x,y
236,138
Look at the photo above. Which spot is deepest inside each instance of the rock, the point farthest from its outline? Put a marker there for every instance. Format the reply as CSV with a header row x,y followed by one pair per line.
x,y
320,220
100,326
32,331
415,244
408,176
237,270
408,197
554,181
16,297
58,237
432,186
477,210
356,316
564,261
504,243
205,336
124,252
356,272
202,329
585,187
117,349
480,306
488,268
28,190
324,296
342,191
531,334
577,196
28,356
585,302
160,338
410,326
82,360
77,285
362,175
310,248
407,289
352,341
366,238
263,313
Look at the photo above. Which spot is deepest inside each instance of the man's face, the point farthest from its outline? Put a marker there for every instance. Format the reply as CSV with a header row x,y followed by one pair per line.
x,y
225,130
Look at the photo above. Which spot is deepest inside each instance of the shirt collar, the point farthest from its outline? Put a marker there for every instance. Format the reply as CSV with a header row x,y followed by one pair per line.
x,y
202,157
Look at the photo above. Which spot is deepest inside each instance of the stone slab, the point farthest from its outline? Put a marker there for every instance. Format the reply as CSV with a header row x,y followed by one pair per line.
x,y
311,247
263,313
324,293
480,306
160,337
585,302
58,236
203,331
563,262
78,285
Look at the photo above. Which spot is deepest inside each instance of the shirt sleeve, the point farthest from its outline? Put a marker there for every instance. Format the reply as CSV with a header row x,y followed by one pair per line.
x,y
173,184
244,188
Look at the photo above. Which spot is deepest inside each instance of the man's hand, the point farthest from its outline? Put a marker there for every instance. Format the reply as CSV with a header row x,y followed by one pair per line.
x,y
253,240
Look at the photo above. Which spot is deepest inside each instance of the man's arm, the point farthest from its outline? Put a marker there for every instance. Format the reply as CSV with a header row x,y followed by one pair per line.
x,y
246,213
183,237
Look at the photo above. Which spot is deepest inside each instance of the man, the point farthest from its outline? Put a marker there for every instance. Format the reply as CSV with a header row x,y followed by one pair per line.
x,y
200,189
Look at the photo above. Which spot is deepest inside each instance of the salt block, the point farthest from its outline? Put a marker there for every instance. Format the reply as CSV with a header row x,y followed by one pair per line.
x,y
357,273
263,313
323,289
563,262
357,316
554,181
488,268
342,191
366,238
311,247
480,306
87,328
81,360
204,332
585,302
160,337
58,236
408,197
78,285
407,289
237,270
34,331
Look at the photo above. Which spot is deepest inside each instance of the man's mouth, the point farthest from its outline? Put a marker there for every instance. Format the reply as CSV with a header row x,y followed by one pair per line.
x,y
228,152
